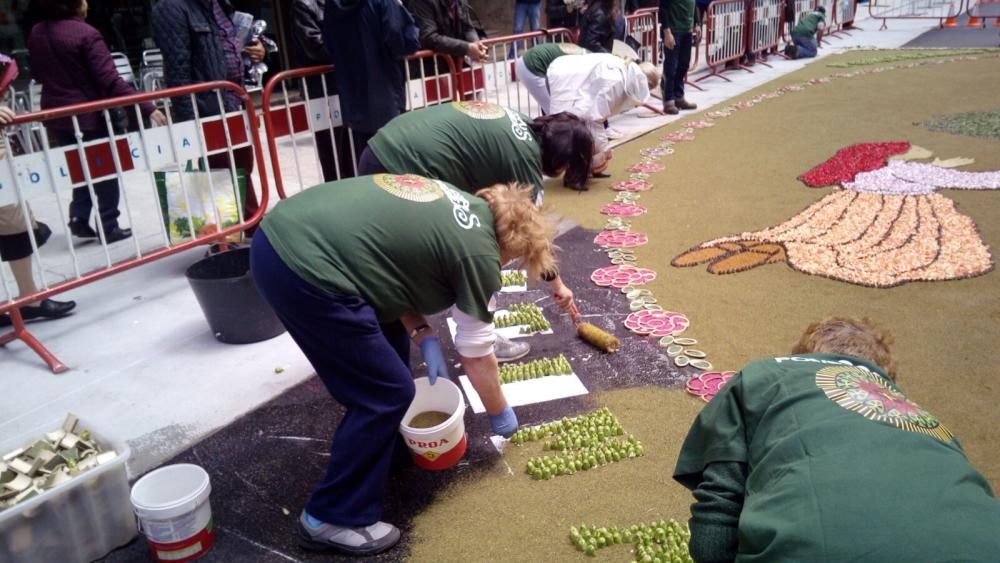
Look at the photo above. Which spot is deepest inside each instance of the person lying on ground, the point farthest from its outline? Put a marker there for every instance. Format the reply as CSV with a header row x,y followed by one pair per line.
x,y
807,34
818,456
351,268
473,145
596,87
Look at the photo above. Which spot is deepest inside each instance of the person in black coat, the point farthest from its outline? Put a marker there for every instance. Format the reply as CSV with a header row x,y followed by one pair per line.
x,y
367,42
598,26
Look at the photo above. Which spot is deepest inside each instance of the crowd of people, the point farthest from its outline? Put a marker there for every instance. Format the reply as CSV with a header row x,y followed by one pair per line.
x,y
445,197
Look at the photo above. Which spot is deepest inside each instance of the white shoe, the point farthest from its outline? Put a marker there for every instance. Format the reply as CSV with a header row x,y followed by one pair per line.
x,y
507,350
349,540
613,133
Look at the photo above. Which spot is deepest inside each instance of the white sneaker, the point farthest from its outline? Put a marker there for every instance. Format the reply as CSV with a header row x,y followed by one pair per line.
x,y
349,540
508,350
613,133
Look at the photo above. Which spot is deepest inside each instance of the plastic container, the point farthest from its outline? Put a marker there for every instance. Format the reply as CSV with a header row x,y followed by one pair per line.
x,y
174,512
78,521
229,299
442,446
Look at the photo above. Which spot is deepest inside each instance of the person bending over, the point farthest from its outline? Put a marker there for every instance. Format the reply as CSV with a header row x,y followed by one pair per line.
x,y
807,34
819,456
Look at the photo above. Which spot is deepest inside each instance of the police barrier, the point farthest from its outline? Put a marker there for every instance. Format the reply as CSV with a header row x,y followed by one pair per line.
x,y
169,205
643,28
301,112
980,11
725,37
799,9
940,10
766,23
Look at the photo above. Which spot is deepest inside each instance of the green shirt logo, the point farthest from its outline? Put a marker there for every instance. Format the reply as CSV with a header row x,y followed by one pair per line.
x,y
409,187
867,394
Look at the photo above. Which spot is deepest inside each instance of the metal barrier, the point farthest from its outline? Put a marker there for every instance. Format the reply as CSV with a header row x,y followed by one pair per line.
x,y
940,10
766,23
847,11
496,81
983,9
88,160
725,37
300,108
644,28
830,20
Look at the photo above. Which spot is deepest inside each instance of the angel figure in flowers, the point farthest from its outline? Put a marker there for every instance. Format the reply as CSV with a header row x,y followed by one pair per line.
x,y
885,226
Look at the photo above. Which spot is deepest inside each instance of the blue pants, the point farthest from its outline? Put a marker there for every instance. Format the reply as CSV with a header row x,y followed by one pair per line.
x,y
107,192
365,367
807,47
676,62
524,13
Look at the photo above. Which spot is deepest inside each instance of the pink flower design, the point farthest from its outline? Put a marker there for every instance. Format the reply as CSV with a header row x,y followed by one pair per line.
x,y
675,137
623,210
633,186
701,124
656,152
657,322
620,239
622,276
645,167
708,384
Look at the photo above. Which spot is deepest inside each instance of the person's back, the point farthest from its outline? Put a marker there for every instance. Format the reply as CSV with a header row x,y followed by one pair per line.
x,y
820,457
367,41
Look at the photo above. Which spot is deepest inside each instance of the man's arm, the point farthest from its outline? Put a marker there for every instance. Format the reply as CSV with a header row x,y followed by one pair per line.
x,y
431,37
399,31
715,515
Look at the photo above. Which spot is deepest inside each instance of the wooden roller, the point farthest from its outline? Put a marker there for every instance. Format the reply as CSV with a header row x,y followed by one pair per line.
x,y
597,338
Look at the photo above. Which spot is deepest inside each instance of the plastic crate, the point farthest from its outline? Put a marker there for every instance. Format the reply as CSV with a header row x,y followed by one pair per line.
x,y
80,520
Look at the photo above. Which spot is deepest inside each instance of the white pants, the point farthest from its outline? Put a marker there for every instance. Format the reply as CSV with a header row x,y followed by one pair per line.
x,y
535,84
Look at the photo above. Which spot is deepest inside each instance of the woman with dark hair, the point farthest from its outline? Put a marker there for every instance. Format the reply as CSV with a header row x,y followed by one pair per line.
x,y
473,145
598,25
73,64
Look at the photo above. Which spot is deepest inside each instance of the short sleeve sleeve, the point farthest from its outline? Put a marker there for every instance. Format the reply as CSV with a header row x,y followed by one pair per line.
x,y
475,280
718,434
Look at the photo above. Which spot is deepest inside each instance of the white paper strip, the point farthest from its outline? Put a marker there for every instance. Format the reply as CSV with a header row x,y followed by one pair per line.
x,y
539,390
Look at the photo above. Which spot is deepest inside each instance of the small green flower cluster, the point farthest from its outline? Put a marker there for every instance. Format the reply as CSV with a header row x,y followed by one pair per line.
x,y
534,369
513,278
587,441
526,315
665,541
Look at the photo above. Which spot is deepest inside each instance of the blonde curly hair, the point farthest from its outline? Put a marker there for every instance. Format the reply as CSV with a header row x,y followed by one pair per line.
x,y
860,338
522,231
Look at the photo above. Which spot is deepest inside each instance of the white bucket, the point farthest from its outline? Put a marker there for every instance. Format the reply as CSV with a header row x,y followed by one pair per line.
x,y
173,511
442,446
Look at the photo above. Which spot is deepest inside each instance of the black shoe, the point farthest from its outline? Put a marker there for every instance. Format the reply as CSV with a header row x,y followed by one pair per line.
x,y
47,309
116,234
81,229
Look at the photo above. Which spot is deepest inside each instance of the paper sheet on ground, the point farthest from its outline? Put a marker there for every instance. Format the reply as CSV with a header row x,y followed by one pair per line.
x,y
530,391
509,333
515,288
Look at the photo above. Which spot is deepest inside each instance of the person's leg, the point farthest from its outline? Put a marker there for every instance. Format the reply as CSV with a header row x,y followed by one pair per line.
x,y
806,47
534,16
362,370
108,198
683,49
369,164
520,15
535,85
667,86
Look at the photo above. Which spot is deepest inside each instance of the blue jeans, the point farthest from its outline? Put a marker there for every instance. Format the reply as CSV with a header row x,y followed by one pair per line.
x,y
364,366
525,12
807,47
676,62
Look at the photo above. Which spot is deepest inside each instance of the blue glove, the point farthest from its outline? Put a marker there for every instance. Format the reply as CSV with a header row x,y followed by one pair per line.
x,y
430,348
505,423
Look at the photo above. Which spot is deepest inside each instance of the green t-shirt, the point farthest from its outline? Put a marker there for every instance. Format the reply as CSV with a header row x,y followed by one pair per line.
x,y
678,15
842,467
404,243
537,59
471,145
808,25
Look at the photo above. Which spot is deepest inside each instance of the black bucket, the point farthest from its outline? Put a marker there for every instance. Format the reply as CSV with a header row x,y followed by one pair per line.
x,y
234,309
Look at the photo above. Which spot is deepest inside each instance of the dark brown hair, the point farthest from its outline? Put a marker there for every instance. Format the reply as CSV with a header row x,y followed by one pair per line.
x,y
59,9
566,143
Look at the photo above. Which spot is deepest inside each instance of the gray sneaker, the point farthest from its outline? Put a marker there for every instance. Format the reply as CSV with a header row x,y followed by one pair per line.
x,y
508,350
359,540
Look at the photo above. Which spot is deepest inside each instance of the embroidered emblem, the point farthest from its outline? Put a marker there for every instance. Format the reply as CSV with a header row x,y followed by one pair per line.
x,y
869,395
479,110
409,186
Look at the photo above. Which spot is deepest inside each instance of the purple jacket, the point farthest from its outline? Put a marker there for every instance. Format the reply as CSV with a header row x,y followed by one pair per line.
x,y
71,60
